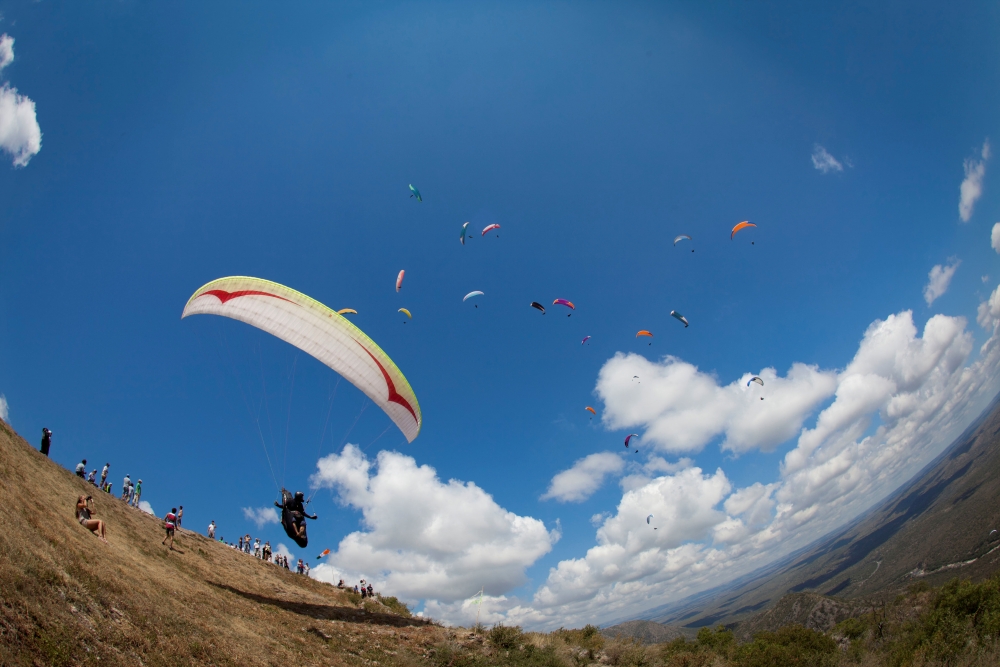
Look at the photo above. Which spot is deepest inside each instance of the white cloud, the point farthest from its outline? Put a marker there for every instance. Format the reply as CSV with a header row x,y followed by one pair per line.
x,y
914,387
6,50
586,476
938,280
988,315
824,162
261,516
682,408
146,507
20,135
4,409
972,186
995,237
424,538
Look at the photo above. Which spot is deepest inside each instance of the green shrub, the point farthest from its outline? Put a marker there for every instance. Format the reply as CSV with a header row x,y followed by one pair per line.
x,y
505,637
852,628
791,646
396,607
627,653
589,637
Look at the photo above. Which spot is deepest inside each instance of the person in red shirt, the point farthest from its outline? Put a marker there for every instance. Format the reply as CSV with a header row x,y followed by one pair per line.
x,y
170,523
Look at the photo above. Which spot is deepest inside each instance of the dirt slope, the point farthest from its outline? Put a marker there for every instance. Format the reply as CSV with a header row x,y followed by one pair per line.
x,y
66,598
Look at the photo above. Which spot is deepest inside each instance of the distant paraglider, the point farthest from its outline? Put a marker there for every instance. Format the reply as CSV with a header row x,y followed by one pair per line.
x,y
538,306
490,228
755,379
405,312
742,225
470,295
564,302
643,332
345,311
677,316
326,552
681,237
415,193
648,519
629,437
461,236
590,410
399,280
585,339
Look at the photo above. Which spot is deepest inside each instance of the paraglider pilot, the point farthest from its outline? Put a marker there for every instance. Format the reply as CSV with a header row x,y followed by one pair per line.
x,y
296,509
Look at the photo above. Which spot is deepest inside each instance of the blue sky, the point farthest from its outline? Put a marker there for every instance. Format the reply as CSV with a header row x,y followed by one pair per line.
x,y
182,142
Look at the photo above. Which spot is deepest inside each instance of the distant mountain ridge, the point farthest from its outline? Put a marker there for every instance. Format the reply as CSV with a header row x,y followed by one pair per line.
x,y
932,528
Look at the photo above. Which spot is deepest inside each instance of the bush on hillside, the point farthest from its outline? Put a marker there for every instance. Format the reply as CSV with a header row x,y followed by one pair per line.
x,y
791,646
505,637
628,652
396,607
588,637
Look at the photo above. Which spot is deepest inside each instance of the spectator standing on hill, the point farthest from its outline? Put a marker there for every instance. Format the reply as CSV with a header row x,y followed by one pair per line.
x,y
126,484
92,477
355,588
371,591
138,493
104,474
211,530
305,568
239,546
46,441
267,551
83,515
169,523
81,468
108,488
364,591
256,547
298,567
180,515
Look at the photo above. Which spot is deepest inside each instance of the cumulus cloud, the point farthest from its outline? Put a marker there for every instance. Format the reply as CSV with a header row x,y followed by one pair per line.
x,y
995,237
916,388
586,476
261,516
682,408
20,134
972,186
988,315
425,538
4,410
146,507
939,279
823,161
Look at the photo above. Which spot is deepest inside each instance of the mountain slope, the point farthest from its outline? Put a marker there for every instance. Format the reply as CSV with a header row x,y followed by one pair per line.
x,y
66,598
933,528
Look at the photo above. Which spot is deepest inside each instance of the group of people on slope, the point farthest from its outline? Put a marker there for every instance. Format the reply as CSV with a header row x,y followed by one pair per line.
x,y
130,492
365,589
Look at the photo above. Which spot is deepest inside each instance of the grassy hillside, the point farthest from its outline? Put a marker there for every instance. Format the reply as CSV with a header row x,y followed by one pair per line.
x,y
68,598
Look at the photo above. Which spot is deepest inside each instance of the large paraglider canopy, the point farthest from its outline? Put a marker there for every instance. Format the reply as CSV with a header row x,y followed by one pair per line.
x,y
399,280
415,193
755,379
472,294
320,332
564,302
644,333
681,238
590,410
629,437
535,304
677,316
347,311
461,236
489,228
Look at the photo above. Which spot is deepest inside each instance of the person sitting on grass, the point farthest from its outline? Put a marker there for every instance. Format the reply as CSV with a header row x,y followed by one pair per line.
x,y
84,511
169,523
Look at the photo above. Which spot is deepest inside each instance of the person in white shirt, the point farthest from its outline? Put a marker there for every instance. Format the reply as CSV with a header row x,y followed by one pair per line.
x,y
211,530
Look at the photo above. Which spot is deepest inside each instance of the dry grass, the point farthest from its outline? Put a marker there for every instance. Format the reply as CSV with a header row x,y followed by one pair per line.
x,y
66,598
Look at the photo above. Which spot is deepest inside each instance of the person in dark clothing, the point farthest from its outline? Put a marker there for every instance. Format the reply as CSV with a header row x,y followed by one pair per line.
x,y
296,512
46,441
81,469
